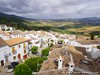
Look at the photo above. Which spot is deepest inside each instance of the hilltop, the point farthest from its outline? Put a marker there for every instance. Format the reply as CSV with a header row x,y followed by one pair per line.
x,y
71,26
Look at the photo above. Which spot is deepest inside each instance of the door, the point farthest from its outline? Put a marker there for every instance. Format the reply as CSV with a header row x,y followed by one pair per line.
x,y
19,56
2,62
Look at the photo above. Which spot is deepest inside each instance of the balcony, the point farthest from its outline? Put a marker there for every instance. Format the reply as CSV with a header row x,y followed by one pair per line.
x,y
14,52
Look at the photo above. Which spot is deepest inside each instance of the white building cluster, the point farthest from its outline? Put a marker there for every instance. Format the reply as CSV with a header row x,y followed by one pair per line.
x,y
15,44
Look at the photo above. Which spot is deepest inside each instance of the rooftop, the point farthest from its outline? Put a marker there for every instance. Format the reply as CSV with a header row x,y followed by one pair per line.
x,y
88,42
1,32
50,66
2,42
15,41
15,32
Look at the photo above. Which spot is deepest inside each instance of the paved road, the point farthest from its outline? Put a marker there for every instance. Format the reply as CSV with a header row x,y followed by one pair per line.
x,y
3,72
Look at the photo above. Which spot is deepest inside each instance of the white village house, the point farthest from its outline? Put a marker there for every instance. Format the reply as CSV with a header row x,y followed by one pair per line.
x,y
4,27
19,48
5,53
15,34
1,33
90,45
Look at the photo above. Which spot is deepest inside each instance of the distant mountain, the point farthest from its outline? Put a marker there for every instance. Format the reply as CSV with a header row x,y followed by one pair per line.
x,y
89,20
14,21
46,24
6,15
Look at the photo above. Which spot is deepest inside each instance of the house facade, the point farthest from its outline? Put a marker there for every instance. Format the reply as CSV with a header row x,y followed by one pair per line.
x,y
19,48
90,45
15,34
6,28
5,54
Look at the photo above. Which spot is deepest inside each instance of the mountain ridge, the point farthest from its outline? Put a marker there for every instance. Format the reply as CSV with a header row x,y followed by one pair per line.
x,y
66,19
47,24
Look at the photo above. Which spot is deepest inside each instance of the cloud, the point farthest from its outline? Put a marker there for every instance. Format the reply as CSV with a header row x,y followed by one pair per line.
x,y
51,8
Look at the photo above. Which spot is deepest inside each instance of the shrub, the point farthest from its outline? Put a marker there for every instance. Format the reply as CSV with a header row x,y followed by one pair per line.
x,y
7,29
22,69
51,44
45,52
34,49
60,41
34,63
98,47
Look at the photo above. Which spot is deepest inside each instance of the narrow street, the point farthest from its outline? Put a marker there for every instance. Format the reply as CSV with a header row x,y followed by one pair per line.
x,y
3,72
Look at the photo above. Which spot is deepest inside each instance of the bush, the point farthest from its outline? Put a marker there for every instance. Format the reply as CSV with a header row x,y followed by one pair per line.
x,y
51,44
60,41
22,69
34,49
35,63
45,52
7,29
98,47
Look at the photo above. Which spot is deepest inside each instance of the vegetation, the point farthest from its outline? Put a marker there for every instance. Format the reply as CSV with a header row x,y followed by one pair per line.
x,y
61,26
98,47
45,52
22,69
92,36
35,63
34,49
51,44
60,41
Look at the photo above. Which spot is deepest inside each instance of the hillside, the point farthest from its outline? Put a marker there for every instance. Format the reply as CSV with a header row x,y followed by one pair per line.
x,y
71,26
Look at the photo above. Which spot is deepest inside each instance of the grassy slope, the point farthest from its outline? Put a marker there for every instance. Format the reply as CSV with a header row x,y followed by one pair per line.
x,y
62,27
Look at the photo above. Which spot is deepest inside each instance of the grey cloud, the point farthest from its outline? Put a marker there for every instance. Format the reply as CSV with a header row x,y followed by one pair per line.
x,y
51,8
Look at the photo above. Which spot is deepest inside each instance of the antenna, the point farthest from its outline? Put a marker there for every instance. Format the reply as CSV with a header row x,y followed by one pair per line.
x,y
71,57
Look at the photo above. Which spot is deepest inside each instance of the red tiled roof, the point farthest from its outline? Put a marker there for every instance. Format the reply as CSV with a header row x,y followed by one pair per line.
x,y
15,41
2,42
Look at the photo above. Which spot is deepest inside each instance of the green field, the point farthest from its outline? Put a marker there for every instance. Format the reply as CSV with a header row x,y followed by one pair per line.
x,y
50,25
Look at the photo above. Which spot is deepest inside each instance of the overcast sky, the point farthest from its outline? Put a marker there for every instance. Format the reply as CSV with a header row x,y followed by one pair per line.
x,y
51,9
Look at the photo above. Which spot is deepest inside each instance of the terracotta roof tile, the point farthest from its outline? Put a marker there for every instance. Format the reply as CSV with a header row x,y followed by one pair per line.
x,y
7,34
1,32
95,42
15,41
2,42
84,42
81,49
15,32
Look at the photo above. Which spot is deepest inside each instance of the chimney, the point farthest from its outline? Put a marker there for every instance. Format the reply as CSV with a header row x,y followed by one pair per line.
x,y
60,63
71,65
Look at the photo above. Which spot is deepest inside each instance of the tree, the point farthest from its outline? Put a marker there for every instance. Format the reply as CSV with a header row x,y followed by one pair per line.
x,y
34,49
45,52
34,63
22,69
92,36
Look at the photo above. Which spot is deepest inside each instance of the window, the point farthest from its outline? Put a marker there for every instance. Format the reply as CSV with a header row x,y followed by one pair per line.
x,y
24,45
14,50
14,58
19,46
24,51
